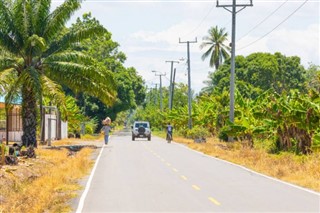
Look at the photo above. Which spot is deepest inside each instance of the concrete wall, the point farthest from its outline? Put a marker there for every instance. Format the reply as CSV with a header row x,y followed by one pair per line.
x,y
64,129
53,134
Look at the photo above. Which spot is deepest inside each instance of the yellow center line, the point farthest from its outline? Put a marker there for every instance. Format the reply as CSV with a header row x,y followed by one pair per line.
x,y
183,177
162,160
175,170
168,164
214,201
196,187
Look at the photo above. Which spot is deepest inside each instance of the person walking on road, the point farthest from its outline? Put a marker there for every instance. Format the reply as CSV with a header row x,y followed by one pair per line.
x,y
106,129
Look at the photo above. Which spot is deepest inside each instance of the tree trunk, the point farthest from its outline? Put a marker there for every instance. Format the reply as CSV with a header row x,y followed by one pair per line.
x,y
29,117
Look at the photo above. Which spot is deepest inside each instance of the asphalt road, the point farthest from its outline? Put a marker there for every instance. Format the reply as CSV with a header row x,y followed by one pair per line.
x,y
154,176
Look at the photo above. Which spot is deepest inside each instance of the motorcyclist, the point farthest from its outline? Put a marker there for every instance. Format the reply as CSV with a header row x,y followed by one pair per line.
x,y
169,130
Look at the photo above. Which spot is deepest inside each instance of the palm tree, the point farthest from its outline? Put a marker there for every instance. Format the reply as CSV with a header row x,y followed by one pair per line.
x,y
217,51
37,54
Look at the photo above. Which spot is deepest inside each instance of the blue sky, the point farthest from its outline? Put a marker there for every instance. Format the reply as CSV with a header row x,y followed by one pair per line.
x,y
148,31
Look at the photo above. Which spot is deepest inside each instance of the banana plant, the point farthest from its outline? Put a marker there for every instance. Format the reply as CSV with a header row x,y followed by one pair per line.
x,y
292,118
247,123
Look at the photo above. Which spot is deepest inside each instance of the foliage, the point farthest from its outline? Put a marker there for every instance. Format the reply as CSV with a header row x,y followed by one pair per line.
x,y
73,114
290,119
152,114
313,78
217,51
198,132
257,73
272,105
91,126
130,88
36,56
294,118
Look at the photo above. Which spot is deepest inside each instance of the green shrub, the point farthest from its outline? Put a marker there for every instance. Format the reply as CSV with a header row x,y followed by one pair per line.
x,y
223,133
197,132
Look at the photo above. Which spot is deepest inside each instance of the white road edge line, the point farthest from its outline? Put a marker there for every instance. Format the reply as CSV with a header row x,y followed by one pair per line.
x,y
85,192
249,170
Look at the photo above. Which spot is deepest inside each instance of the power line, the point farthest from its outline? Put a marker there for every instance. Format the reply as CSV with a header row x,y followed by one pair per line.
x,y
261,22
275,26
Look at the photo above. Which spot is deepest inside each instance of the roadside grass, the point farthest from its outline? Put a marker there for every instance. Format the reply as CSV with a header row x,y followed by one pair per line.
x,y
297,169
46,183
85,138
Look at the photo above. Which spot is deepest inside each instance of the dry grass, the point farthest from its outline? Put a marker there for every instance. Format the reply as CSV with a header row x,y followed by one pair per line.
x,y
44,184
71,141
300,170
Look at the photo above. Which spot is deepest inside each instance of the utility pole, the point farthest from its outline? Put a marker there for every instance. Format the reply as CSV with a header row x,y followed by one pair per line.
x,y
173,82
170,85
189,80
155,95
160,75
233,51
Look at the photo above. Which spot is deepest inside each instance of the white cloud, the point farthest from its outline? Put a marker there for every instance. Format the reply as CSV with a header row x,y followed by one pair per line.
x,y
169,36
304,44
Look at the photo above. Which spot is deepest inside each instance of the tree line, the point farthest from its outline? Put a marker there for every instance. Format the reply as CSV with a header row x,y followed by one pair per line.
x,y
277,100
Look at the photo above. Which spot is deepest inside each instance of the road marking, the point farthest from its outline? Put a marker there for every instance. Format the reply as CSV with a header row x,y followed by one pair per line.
x,y
183,177
196,187
175,170
163,160
168,164
85,192
214,201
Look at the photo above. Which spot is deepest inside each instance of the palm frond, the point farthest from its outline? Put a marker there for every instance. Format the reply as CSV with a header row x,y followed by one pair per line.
x,y
41,12
69,56
14,90
74,36
20,25
7,62
7,43
204,44
53,91
207,53
58,18
224,53
7,77
6,18
96,82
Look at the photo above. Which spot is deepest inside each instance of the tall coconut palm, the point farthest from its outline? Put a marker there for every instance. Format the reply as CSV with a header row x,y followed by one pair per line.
x,y
217,51
36,52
